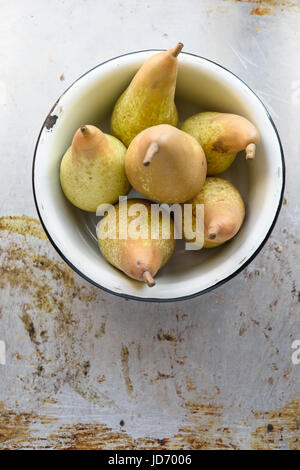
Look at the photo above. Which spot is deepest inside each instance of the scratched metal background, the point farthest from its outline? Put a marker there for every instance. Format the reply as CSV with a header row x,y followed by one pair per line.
x,y
85,369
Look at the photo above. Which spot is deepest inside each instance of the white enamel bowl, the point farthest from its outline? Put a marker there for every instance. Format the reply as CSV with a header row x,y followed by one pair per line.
x,y
202,85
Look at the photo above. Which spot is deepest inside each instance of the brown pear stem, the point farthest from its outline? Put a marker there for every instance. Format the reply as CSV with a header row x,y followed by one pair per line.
x,y
151,151
177,49
84,130
213,231
148,279
250,151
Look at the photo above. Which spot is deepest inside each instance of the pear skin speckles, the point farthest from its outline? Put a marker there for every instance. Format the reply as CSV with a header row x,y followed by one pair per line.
x,y
224,211
135,256
149,98
222,136
92,171
177,169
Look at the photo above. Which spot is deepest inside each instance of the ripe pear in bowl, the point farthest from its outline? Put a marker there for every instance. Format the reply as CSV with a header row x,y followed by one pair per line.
x,y
149,98
165,164
135,252
222,136
92,171
224,211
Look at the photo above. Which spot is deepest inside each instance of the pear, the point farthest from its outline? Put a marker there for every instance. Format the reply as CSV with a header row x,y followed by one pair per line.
x,y
92,171
149,98
222,136
138,256
224,211
165,164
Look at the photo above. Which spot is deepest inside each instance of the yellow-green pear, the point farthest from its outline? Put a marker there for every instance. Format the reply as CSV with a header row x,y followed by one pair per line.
x,y
165,164
224,211
141,250
149,98
222,136
92,171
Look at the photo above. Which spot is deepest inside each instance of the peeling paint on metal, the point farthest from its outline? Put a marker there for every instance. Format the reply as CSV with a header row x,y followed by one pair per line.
x,y
51,121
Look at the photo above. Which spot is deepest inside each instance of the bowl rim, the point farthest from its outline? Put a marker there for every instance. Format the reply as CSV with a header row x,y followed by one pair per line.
x,y
217,284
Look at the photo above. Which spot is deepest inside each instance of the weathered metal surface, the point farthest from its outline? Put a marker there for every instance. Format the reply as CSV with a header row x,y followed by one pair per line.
x,y
85,369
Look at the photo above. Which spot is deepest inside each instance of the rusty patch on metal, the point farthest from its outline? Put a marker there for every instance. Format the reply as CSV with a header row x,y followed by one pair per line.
x,y
26,271
23,225
167,336
125,370
14,427
47,314
101,378
29,326
279,425
190,384
101,331
272,3
268,7
205,431
16,432
259,11
23,276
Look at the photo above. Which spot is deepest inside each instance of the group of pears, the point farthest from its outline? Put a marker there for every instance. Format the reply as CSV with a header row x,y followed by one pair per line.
x,y
163,163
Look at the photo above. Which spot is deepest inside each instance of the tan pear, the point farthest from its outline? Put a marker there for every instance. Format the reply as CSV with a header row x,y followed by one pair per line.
x,y
149,98
92,171
222,136
135,251
224,211
165,164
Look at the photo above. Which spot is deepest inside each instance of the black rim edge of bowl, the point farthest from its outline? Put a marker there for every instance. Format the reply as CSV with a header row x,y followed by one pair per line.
x,y
219,283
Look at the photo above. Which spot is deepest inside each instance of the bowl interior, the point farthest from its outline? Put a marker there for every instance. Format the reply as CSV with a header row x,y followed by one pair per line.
x,y
201,86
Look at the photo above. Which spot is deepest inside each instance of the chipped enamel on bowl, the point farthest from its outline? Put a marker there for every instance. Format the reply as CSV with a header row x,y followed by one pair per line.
x,y
202,86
